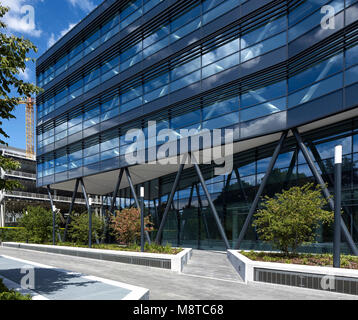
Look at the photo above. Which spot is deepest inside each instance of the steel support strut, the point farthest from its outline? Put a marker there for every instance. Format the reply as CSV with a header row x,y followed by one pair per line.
x,y
326,192
71,208
115,193
89,213
131,185
211,204
261,190
203,214
111,209
322,167
170,200
53,216
286,184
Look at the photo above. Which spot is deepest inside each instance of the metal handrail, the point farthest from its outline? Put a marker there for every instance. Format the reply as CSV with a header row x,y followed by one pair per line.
x,y
40,196
21,174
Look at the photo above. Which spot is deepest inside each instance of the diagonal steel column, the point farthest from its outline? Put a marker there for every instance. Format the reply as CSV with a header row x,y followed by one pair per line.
x,y
53,216
203,215
111,209
228,181
71,208
290,169
130,181
322,167
84,193
240,184
211,204
89,213
115,193
191,196
170,200
131,185
326,192
261,190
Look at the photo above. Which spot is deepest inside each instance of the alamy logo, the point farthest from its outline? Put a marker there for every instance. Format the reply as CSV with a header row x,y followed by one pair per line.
x,y
153,146
28,280
328,283
28,16
328,21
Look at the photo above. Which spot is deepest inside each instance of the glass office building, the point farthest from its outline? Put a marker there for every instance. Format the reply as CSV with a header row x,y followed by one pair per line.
x,y
259,67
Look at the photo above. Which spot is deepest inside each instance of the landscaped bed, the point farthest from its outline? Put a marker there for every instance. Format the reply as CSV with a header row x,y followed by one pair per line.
x,y
164,257
323,260
153,248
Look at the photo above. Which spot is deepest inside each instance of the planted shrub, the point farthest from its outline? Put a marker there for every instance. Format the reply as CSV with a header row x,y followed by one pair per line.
x,y
292,217
6,294
126,226
37,224
12,235
79,228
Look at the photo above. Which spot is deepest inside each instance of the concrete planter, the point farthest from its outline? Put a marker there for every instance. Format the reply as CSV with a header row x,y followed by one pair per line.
x,y
164,261
319,278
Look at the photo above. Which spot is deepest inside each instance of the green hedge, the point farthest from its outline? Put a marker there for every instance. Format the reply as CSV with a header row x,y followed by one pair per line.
x,y
12,235
6,294
16,234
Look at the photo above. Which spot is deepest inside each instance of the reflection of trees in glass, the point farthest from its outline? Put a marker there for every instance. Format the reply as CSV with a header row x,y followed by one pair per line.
x,y
244,192
347,167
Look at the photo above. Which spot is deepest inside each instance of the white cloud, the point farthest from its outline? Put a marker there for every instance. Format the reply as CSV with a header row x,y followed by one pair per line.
x,y
25,75
52,40
21,17
85,5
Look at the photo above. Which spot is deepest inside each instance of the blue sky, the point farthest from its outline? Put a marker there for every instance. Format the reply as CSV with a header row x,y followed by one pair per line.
x,y
52,19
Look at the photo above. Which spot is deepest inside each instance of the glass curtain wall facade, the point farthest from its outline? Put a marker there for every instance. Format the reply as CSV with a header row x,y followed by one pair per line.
x,y
258,67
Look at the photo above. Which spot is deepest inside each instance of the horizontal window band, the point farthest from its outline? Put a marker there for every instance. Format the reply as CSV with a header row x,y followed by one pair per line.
x,y
253,81
119,47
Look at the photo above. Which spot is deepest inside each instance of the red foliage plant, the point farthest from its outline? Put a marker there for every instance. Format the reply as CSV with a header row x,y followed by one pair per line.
x,y
126,226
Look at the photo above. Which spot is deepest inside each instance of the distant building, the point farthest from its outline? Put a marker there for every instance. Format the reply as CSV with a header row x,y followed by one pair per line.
x,y
13,204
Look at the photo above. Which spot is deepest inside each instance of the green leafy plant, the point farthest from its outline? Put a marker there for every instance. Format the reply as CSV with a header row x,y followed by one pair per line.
x,y
326,260
79,228
150,248
6,294
126,226
292,217
14,56
12,235
37,224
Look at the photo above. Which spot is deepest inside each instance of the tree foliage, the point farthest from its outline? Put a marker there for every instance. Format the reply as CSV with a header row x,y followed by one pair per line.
x,y
37,224
14,54
79,228
126,226
7,295
292,217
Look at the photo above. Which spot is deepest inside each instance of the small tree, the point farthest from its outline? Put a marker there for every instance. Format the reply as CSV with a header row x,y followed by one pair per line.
x,y
291,218
37,224
79,228
14,53
126,226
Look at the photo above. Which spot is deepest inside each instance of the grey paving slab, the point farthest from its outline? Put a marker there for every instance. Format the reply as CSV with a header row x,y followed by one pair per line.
x,y
211,264
59,284
167,285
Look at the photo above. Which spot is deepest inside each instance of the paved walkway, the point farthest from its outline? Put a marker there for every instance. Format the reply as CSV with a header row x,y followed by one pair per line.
x,y
56,284
210,264
218,284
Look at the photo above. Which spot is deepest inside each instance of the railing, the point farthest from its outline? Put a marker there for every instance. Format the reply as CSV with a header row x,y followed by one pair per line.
x,y
44,197
20,174
15,154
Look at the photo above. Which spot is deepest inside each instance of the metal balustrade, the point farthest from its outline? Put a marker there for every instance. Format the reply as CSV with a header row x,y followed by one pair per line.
x,y
19,174
44,197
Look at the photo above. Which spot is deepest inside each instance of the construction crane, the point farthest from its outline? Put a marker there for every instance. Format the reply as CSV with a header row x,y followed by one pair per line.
x,y
30,123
